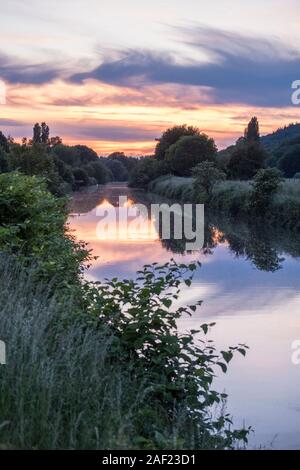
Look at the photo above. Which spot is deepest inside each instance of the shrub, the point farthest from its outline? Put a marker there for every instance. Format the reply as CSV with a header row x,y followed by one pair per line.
x,y
265,185
119,376
206,176
32,227
147,170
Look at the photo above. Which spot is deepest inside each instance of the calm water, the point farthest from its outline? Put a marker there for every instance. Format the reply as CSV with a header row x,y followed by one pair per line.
x,y
249,284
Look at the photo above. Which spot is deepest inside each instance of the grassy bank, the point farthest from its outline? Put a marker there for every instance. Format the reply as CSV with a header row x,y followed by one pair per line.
x,y
97,366
233,197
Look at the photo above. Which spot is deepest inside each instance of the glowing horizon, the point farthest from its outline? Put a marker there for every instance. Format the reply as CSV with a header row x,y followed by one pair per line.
x,y
115,78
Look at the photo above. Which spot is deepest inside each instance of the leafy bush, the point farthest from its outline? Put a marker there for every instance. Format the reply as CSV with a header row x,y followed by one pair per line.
x,y
32,227
206,176
265,184
147,170
118,376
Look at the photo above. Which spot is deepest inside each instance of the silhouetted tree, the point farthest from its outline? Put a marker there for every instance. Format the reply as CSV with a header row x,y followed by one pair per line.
x,y
37,134
45,131
171,136
188,151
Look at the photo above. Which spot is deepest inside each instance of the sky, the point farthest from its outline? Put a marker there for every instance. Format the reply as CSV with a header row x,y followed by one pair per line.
x,y
114,75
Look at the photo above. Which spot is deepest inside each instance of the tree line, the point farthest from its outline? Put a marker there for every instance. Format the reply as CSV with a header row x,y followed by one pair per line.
x,y
65,168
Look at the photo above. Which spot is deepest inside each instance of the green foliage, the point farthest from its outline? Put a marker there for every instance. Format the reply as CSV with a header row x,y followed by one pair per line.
x,y
173,187
252,131
134,381
4,145
246,160
185,154
289,163
171,136
98,171
265,184
32,228
206,175
147,170
117,168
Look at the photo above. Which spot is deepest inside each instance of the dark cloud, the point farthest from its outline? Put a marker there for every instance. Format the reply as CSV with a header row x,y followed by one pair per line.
x,y
11,123
239,69
14,71
110,132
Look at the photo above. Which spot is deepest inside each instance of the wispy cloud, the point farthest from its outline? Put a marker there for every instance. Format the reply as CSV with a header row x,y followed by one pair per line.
x,y
238,69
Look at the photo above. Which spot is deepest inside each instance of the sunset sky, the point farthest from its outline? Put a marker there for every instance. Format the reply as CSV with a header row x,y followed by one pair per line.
x,y
113,75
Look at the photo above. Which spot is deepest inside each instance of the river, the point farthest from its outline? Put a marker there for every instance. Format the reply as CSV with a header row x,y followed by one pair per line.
x,y
249,283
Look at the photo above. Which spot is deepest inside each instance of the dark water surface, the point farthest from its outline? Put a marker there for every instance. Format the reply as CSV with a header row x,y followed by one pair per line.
x,y
249,282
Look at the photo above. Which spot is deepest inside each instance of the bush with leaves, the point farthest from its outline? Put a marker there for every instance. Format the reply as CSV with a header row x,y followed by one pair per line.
x,y
32,228
177,369
265,184
206,176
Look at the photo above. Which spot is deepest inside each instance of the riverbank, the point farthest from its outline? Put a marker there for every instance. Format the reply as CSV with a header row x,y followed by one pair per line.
x,y
104,363
232,198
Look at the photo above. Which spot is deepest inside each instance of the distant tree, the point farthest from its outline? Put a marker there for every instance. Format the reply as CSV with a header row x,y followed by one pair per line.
x,y
54,141
147,170
81,177
206,176
98,171
171,136
118,169
128,162
289,164
67,154
37,134
252,131
249,156
45,131
4,144
86,154
188,151
3,161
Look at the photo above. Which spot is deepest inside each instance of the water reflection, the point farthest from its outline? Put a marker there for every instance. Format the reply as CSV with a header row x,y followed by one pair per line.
x,y
249,284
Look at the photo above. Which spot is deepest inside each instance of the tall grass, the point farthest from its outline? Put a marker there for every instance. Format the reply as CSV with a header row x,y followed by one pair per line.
x,y
58,389
232,198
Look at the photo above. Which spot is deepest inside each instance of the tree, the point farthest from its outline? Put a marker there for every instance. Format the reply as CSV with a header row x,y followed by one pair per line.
x,y
289,164
37,134
4,145
86,154
118,170
252,131
206,176
35,160
147,170
81,177
189,151
246,160
265,184
3,161
45,131
249,156
171,136
98,171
